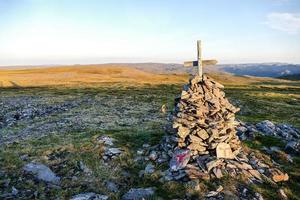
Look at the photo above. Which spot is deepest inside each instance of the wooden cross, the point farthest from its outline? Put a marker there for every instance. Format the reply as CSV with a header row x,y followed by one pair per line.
x,y
199,62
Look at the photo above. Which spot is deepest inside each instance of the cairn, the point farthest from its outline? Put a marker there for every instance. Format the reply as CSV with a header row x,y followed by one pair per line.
x,y
202,141
204,120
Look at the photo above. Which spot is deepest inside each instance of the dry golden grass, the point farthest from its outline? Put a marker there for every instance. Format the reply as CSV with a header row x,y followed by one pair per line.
x,y
94,75
83,75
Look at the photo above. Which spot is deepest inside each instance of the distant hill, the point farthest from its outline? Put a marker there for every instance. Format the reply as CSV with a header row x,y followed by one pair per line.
x,y
260,69
93,75
293,77
252,69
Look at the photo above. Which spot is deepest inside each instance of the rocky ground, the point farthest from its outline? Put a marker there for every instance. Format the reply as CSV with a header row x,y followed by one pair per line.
x,y
99,143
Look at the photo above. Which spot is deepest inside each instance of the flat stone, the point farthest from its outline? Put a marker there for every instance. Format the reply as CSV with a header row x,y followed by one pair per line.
x,y
106,140
242,165
195,80
282,194
203,134
183,131
196,146
231,166
195,139
218,172
211,194
42,172
212,164
180,159
89,196
255,173
220,188
224,151
138,193
113,151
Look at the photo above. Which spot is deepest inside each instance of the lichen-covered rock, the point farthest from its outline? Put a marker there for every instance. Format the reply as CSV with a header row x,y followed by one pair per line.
x,y
89,196
42,172
138,193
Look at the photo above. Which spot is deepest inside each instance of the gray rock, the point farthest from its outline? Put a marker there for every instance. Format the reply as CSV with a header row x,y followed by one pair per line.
x,y
111,186
149,169
140,152
180,159
293,147
141,173
181,175
267,127
285,131
24,157
138,193
113,151
153,155
146,146
42,172
288,131
259,196
14,191
211,194
84,168
106,140
241,129
89,196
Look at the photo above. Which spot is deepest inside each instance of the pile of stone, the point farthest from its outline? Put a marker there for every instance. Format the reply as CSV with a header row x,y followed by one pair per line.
x,y
204,120
202,142
110,152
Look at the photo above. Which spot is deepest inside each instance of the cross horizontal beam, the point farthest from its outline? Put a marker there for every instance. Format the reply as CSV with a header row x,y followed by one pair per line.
x,y
204,63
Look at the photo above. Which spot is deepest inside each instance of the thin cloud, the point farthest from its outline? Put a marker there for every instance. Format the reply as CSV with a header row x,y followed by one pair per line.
x,y
286,22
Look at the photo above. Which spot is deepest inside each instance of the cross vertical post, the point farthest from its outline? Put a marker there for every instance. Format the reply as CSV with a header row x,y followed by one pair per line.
x,y
199,57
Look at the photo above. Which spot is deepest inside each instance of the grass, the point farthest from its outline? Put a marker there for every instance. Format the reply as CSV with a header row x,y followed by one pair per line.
x,y
130,114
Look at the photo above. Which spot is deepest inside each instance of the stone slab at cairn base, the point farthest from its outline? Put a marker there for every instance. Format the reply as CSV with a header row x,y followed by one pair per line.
x,y
204,120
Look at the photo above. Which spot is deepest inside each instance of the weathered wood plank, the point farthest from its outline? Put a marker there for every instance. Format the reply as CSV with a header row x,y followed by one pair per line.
x,y
191,64
204,63
209,62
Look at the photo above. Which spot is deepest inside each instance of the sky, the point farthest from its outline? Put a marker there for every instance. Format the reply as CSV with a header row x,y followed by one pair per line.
x,y
37,32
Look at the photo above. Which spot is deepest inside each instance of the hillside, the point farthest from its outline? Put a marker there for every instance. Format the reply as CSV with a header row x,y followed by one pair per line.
x,y
260,69
106,74
74,75
294,77
251,69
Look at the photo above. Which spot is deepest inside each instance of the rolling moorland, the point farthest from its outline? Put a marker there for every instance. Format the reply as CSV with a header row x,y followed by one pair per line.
x,y
56,116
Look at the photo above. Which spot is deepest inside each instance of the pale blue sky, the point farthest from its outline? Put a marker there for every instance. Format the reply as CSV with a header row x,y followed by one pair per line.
x,y
99,31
